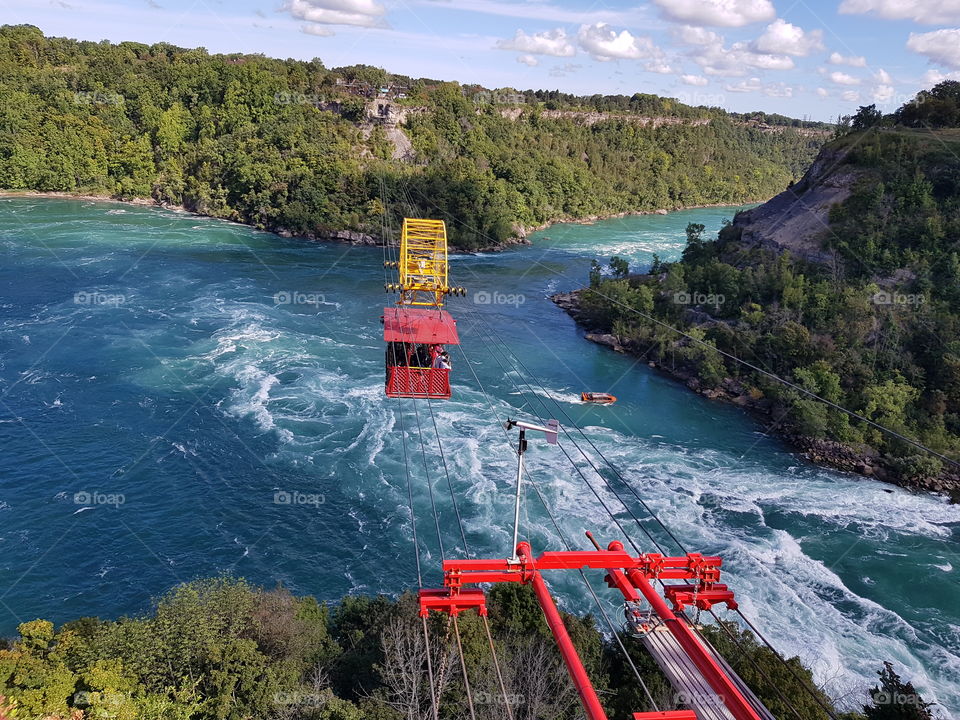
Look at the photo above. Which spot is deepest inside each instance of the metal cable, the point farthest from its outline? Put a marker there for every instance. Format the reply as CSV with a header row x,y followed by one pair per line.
x,y
426,470
453,498
413,519
815,695
572,462
433,694
463,666
563,539
759,669
496,665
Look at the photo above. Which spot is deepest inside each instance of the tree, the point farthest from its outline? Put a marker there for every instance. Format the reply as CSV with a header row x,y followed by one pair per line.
x,y
894,699
866,117
619,267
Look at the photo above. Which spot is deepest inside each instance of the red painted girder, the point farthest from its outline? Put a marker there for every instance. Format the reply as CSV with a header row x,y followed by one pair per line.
x,y
578,674
666,715
721,683
689,566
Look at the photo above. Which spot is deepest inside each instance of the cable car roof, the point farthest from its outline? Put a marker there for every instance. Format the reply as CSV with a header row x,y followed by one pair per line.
x,y
419,325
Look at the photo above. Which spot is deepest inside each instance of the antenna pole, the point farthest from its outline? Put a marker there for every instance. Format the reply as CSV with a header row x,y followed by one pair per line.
x,y
551,431
521,446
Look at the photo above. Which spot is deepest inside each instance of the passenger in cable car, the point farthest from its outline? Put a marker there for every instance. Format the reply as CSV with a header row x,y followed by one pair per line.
x,y
421,357
442,361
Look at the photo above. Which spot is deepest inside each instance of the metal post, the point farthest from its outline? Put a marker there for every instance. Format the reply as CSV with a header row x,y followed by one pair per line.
x,y
551,432
516,507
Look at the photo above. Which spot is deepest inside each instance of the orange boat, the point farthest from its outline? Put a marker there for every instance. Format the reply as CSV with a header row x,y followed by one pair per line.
x,y
599,398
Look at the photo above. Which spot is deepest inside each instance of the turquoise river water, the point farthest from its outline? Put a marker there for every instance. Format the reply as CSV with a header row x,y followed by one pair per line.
x,y
181,397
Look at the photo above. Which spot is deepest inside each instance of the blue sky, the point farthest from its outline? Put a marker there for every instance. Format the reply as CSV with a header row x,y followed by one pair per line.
x,y
805,58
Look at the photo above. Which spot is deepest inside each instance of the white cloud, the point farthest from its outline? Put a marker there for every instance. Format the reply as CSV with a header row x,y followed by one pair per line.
x,y
751,85
722,13
696,35
528,60
659,66
882,93
361,13
934,76
549,42
696,80
736,60
314,29
883,77
564,70
841,78
782,38
851,60
940,46
542,11
605,43
929,12
778,89
823,92
850,96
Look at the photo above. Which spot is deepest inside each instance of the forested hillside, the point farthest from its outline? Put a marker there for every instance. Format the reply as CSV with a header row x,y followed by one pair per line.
x,y
848,285
224,650
292,146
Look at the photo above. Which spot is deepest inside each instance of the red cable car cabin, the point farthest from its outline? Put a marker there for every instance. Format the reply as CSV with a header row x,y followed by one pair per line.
x,y
414,336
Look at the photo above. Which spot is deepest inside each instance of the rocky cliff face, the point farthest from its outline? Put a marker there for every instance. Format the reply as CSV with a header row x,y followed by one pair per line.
x,y
798,219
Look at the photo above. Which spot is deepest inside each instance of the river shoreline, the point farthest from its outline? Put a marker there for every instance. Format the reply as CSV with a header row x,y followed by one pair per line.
x,y
830,454
354,237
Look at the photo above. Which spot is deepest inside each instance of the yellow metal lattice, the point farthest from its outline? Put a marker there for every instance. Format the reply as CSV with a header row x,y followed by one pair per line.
x,y
423,262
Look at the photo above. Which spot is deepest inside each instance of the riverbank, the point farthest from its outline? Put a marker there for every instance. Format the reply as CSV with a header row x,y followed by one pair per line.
x,y
862,460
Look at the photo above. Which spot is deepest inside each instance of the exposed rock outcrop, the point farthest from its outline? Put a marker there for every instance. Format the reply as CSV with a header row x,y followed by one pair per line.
x,y
798,219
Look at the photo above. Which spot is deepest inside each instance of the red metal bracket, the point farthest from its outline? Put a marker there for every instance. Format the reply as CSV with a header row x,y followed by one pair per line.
x,y
702,597
452,603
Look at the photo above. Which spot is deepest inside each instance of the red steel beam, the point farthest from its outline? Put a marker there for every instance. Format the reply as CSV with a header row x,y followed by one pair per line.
x,y
698,654
578,674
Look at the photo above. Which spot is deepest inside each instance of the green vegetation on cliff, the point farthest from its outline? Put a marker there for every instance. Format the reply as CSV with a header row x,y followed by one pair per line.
x,y
224,650
287,145
868,317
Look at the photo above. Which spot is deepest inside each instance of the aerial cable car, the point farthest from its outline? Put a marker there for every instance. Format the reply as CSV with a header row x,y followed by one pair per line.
x,y
417,330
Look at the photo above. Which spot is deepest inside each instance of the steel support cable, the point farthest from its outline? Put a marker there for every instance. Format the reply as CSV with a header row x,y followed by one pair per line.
x,y
453,498
413,519
672,536
736,359
566,544
609,464
426,470
577,467
755,664
433,693
596,599
779,379
815,695
580,472
416,545
463,667
496,666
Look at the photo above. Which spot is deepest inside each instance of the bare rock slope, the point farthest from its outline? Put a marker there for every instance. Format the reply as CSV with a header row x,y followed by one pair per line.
x,y
798,219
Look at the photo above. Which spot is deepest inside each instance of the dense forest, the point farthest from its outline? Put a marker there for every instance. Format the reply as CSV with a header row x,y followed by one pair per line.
x,y
292,146
875,330
221,649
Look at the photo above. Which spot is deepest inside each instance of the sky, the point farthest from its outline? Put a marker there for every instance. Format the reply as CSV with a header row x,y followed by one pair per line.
x,y
813,59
